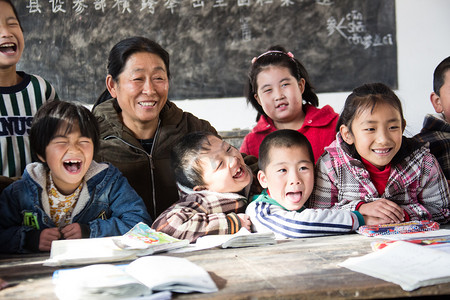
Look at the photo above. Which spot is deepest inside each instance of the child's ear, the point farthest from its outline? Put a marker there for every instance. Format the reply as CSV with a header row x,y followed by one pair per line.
x,y
199,188
347,136
41,158
262,179
436,102
111,86
301,85
257,98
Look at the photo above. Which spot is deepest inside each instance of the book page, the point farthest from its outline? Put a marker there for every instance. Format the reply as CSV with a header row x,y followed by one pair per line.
x,y
166,273
409,265
86,251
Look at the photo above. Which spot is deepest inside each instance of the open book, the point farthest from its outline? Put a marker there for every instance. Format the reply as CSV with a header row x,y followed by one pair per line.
x,y
140,278
139,241
407,264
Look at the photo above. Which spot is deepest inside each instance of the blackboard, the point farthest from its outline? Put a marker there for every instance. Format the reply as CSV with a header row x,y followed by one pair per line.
x,y
211,42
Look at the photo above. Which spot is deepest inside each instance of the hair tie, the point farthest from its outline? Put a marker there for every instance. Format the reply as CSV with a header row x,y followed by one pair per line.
x,y
254,59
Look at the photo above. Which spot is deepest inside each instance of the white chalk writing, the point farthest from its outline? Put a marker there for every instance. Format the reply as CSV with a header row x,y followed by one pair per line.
x,y
79,6
287,3
220,3
34,7
353,29
198,3
123,4
171,4
246,31
57,6
243,2
263,2
100,5
149,5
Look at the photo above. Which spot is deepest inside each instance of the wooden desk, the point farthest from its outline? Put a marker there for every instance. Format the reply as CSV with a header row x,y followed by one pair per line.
x,y
295,269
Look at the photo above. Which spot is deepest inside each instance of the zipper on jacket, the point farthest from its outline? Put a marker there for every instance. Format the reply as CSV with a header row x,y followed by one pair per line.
x,y
150,158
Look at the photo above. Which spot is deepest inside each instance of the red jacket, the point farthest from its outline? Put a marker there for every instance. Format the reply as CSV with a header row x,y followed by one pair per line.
x,y
319,128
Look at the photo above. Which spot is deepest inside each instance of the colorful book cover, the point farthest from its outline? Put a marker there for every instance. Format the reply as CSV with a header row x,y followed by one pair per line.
x,y
142,236
398,228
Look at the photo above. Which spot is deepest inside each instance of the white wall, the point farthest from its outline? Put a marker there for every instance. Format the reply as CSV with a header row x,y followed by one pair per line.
x,y
423,29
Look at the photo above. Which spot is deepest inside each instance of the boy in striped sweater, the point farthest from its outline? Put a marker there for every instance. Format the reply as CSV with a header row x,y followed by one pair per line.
x,y
21,95
286,173
214,183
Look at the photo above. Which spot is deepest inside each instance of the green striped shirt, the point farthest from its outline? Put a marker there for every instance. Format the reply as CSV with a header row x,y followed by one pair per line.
x,y
18,104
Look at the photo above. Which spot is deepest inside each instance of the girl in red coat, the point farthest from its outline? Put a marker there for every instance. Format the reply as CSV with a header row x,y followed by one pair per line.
x,y
280,90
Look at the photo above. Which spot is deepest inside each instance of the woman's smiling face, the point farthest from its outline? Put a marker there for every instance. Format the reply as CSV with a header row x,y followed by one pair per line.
x,y
141,89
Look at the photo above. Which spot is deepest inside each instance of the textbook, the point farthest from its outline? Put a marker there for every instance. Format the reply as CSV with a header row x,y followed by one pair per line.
x,y
141,240
141,278
143,237
409,265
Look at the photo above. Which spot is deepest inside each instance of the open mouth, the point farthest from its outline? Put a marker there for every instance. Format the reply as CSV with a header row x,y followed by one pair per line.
x,y
294,197
239,173
8,48
72,166
281,105
147,103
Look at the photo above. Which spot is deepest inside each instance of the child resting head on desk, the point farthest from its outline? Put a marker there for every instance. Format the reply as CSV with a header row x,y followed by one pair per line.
x,y
214,183
286,163
67,195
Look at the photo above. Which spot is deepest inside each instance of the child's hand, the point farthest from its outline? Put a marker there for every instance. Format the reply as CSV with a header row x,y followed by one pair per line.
x,y
245,221
71,231
46,238
386,210
369,220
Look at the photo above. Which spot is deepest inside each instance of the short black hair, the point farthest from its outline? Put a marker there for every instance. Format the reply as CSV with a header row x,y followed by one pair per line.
x,y
283,138
439,75
185,158
56,115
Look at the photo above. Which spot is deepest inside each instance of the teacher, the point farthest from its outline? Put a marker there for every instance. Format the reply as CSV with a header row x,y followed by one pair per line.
x,y
138,124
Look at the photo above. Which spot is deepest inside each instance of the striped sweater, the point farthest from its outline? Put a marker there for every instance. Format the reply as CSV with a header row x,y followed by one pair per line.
x,y
18,104
267,215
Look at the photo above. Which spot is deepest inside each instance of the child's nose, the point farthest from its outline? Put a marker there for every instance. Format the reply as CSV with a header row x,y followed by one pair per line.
x,y
295,179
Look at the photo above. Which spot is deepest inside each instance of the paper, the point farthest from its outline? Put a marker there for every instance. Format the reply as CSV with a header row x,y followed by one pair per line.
x,y
138,280
139,241
408,265
87,251
242,238
166,273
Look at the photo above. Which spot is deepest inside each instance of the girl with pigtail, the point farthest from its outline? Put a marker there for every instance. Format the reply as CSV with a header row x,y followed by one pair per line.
x,y
280,90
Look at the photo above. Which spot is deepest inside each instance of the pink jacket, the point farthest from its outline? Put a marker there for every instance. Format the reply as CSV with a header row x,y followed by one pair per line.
x,y
319,128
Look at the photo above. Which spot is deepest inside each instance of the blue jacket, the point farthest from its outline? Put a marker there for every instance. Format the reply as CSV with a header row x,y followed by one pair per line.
x,y
107,204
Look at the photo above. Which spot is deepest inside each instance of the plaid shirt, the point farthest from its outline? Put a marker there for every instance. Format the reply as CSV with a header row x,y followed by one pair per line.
x,y
201,213
436,131
416,182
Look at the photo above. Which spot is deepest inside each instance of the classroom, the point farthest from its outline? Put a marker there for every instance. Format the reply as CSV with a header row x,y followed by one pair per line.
x,y
395,42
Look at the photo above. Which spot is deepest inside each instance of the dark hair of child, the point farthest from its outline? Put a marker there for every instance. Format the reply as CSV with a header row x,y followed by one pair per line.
x,y
280,58
366,97
439,75
186,158
60,116
283,138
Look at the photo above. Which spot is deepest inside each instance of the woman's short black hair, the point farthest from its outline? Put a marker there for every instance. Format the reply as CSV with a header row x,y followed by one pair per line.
x,y
56,116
